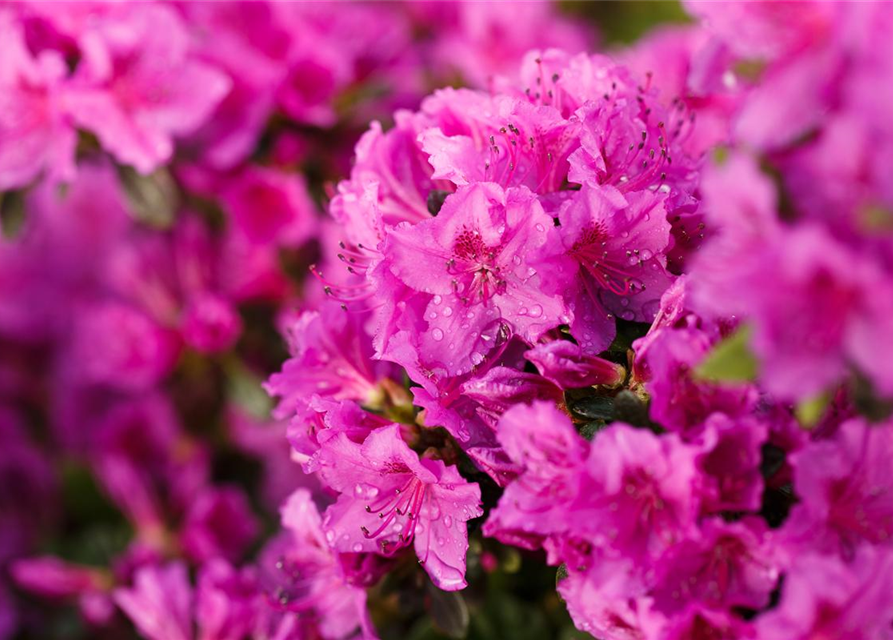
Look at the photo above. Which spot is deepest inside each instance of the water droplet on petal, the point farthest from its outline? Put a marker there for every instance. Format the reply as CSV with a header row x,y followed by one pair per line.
x,y
437,334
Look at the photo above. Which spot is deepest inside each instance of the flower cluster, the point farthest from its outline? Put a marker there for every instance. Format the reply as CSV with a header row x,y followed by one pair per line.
x,y
501,247
161,167
616,322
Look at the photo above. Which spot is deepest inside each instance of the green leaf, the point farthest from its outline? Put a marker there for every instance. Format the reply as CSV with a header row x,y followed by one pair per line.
x,y
811,410
589,430
12,214
631,409
153,198
246,390
449,612
731,360
592,407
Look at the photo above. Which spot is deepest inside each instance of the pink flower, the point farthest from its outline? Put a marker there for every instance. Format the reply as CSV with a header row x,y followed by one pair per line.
x,y
390,498
565,364
225,604
138,87
731,463
483,40
118,346
478,263
210,323
248,42
619,243
227,601
219,524
35,134
331,355
727,565
693,74
824,598
389,183
679,400
543,443
845,487
475,137
270,207
50,577
160,602
765,29
647,491
305,577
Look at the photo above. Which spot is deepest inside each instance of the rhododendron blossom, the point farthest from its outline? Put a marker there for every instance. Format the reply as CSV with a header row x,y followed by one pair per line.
x,y
361,320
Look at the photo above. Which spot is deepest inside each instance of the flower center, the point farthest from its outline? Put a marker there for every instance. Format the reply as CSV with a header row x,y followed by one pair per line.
x,y
476,275
404,503
609,271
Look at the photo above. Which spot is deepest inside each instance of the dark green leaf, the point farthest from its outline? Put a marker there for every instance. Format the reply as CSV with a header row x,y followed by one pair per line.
x,y
592,407
772,460
435,201
12,213
868,401
589,430
631,409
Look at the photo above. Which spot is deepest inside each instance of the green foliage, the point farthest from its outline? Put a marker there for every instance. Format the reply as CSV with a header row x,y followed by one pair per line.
x,y
731,360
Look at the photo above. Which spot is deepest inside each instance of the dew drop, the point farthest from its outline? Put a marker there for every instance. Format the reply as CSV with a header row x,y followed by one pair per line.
x,y
437,334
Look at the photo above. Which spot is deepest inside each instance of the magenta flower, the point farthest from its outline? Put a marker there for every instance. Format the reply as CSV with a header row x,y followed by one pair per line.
x,y
389,184
119,346
731,463
475,137
159,602
219,524
391,498
248,42
565,364
331,357
679,400
728,565
845,486
822,597
483,41
50,577
35,134
270,207
224,605
479,261
138,88
305,577
764,29
647,491
544,445
619,244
